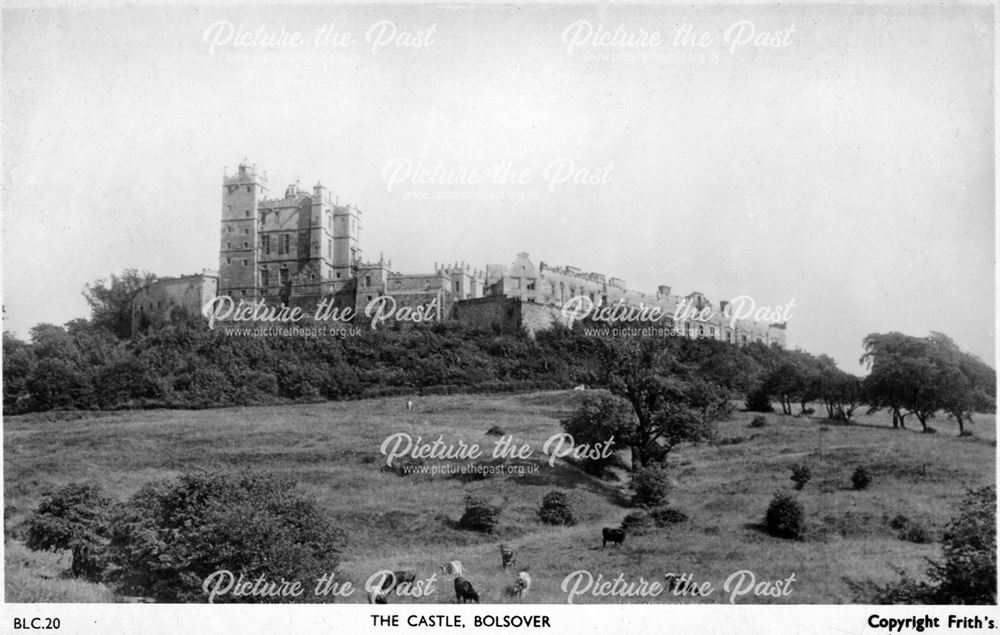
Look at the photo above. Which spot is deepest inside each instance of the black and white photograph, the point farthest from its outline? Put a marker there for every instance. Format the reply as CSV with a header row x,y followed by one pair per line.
x,y
588,317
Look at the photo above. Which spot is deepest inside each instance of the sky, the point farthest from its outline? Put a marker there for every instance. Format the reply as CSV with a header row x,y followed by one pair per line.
x,y
838,156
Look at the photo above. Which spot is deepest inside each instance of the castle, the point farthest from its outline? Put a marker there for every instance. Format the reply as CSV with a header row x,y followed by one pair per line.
x,y
304,247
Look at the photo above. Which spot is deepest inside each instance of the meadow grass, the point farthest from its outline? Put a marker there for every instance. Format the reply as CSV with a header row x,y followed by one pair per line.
x,y
410,522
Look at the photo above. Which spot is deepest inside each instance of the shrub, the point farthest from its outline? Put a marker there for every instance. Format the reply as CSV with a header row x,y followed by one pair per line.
x,y
801,475
650,485
861,479
758,421
637,522
968,574
76,518
479,516
910,530
664,516
785,517
759,401
557,509
172,535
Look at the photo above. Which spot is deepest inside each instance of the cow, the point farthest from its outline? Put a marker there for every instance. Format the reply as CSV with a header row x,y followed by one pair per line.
x,y
452,568
464,591
377,596
614,536
580,387
409,404
523,583
507,556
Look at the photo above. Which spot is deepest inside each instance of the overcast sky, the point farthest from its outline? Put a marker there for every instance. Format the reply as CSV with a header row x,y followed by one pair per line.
x,y
850,168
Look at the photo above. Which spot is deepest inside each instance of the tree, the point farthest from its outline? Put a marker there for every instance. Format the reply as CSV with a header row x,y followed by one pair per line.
x,y
111,303
669,407
923,376
601,416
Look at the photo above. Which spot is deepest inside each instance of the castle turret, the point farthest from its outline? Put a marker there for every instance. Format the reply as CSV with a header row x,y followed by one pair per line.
x,y
346,250
238,254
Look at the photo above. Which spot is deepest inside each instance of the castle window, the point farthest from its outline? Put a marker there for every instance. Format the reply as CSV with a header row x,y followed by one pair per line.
x,y
369,298
243,292
264,278
531,284
286,240
458,286
283,276
229,229
229,245
246,230
338,274
248,188
246,213
246,245
265,242
245,262
229,261
368,282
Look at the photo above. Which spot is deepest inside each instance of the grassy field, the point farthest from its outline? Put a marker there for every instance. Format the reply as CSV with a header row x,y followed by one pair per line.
x,y
407,522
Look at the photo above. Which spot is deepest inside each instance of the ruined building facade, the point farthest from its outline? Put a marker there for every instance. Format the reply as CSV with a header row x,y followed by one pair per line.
x,y
304,247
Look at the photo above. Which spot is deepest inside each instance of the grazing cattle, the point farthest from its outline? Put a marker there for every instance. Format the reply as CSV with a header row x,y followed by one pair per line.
x,y
507,556
464,591
452,568
523,584
409,404
580,387
614,536
377,597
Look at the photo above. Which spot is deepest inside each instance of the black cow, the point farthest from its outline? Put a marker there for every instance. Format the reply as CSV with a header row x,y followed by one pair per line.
x,y
464,591
614,536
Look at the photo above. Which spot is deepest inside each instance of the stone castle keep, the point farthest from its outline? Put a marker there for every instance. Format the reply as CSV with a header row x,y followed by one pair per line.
x,y
304,247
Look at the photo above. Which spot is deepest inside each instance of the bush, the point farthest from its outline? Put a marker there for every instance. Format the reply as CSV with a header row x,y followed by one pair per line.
x,y
801,475
968,574
650,485
759,401
664,516
861,479
785,517
170,536
479,516
758,421
910,530
75,518
637,522
557,509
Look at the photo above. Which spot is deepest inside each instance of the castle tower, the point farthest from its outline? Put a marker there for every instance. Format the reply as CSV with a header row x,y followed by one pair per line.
x,y
346,252
238,249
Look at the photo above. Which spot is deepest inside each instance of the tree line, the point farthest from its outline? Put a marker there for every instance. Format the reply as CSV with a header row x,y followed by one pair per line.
x,y
669,383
